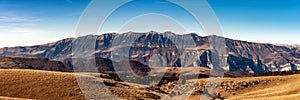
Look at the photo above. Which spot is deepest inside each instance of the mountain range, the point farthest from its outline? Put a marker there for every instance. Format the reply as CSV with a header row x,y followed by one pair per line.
x,y
165,49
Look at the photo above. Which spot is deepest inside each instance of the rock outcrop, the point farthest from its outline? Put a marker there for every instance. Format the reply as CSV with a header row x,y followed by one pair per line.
x,y
166,49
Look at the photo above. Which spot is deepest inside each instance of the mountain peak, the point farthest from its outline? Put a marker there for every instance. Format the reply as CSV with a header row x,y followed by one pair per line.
x,y
256,57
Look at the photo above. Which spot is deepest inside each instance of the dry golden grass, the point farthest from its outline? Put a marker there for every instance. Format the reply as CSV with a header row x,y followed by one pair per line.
x,y
10,98
32,84
286,90
289,89
39,85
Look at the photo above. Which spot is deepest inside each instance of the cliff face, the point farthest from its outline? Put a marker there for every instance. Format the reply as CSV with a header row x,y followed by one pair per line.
x,y
165,49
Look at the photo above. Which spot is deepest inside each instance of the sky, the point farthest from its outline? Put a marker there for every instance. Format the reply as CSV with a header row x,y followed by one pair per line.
x,y
33,22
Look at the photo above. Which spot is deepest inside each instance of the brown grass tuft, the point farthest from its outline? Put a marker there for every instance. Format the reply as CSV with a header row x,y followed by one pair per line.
x,y
39,85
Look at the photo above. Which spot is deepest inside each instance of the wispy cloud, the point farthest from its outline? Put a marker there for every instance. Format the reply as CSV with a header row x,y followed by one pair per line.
x,y
18,24
22,30
18,19
163,2
2,26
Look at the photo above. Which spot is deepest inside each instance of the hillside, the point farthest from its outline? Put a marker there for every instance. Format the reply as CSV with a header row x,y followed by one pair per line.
x,y
287,90
241,56
39,85
99,64
34,84
10,98
34,63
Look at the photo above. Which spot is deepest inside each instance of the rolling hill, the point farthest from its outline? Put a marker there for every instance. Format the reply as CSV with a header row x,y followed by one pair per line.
x,y
16,84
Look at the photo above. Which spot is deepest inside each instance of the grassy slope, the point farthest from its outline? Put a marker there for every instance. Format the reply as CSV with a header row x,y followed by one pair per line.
x,y
63,86
10,98
287,90
39,85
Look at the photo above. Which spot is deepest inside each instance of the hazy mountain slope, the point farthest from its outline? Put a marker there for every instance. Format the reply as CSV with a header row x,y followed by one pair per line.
x,y
34,63
242,56
51,50
92,65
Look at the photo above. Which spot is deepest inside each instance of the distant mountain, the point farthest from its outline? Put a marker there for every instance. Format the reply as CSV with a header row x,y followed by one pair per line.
x,y
102,64
160,49
34,64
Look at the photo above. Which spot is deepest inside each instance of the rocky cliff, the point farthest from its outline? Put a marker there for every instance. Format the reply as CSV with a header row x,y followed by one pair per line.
x,y
168,49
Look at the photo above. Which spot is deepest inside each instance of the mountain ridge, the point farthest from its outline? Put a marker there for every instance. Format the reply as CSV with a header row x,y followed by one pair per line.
x,y
241,55
72,38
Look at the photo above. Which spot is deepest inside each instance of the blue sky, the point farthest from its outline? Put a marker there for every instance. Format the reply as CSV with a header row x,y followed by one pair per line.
x,y
273,21
140,9
32,22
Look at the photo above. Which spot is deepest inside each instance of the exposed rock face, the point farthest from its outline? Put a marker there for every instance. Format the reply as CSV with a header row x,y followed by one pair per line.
x,y
166,50
54,50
